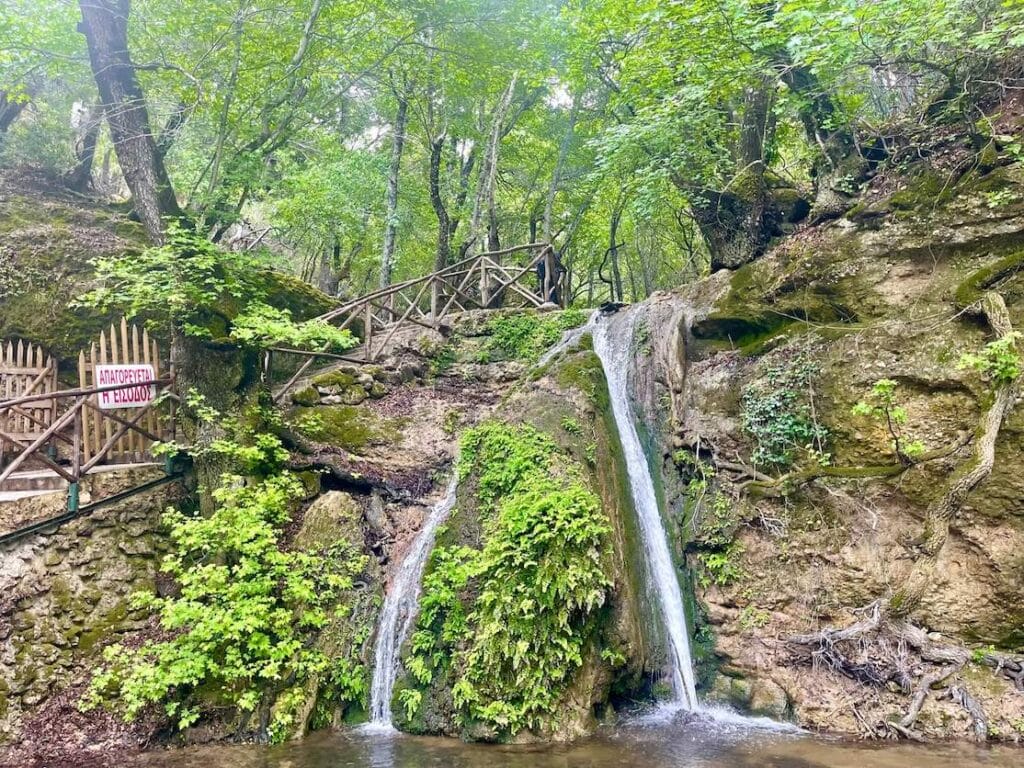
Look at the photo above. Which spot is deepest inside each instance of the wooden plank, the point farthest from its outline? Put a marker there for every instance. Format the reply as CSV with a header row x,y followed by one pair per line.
x,y
126,426
147,359
34,446
103,424
136,439
83,424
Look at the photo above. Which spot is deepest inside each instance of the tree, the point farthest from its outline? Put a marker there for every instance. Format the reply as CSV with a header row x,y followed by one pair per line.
x,y
105,26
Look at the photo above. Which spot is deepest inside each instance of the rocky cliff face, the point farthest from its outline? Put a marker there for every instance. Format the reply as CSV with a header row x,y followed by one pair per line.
x,y
792,515
794,512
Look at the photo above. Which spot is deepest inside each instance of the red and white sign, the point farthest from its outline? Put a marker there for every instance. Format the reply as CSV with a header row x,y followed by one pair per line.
x,y
128,397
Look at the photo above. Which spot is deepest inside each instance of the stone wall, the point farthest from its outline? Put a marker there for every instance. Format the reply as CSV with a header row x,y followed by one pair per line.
x,y
65,594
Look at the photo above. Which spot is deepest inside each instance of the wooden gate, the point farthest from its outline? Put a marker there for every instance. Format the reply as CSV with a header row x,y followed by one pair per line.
x,y
124,345
25,370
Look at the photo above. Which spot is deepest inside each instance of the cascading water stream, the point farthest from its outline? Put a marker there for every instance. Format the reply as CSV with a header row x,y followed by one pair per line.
x,y
571,338
614,347
400,606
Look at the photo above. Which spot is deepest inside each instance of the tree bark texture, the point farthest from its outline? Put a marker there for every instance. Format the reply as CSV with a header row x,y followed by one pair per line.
x,y
387,258
105,26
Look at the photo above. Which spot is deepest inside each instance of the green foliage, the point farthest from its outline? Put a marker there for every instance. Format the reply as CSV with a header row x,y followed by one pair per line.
x,y
247,607
882,405
536,583
715,518
264,326
443,359
572,426
526,336
207,292
778,413
754,618
999,361
410,699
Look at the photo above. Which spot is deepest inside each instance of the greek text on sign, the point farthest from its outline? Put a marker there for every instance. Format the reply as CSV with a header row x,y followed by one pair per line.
x,y
120,375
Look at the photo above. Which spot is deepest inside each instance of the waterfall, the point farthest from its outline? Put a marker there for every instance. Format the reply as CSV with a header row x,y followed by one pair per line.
x,y
571,338
400,606
614,347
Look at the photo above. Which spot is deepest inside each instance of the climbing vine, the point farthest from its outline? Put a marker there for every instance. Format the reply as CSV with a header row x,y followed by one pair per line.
x,y
778,414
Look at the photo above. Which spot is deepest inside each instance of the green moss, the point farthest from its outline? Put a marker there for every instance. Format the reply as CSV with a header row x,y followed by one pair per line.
x,y
925,189
346,426
334,379
583,372
971,289
306,396
104,628
285,291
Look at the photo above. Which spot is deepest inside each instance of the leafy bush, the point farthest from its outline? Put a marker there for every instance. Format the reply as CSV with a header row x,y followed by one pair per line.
x,y
538,581
245,614
206,291
998,361
881,405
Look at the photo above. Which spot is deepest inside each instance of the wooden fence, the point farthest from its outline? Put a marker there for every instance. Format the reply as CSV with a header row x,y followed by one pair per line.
x,y
25,370
119,345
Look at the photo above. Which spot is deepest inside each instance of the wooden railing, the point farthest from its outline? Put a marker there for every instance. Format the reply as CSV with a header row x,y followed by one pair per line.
x,y
77,401
25,369
480,281
103,421
119,345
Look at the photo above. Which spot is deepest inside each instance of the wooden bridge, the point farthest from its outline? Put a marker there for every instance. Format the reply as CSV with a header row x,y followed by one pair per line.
x,y
477,282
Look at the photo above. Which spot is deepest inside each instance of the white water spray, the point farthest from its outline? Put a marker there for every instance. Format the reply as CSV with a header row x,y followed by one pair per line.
x,y
615,351
400,607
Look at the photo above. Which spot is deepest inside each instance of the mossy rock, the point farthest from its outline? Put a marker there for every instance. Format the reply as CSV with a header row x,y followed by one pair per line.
x,y
337,379
301,299
46,250
346,426
306,396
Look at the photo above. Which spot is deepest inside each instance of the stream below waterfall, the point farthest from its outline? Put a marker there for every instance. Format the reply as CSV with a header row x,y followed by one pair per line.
x,y
698,743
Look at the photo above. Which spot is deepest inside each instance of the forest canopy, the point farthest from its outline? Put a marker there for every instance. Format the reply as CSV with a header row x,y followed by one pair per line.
x,y
365,142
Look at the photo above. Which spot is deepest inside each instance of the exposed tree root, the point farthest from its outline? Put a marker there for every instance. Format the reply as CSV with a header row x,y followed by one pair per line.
x,y
941,513
883,648
774,487
979,721
879,651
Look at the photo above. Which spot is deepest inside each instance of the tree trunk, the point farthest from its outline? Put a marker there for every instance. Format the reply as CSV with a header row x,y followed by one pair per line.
x,y
613,252
9,111
443,222
87,124
489,169
387,257
328,275
556,176
738,222
105,26
839,167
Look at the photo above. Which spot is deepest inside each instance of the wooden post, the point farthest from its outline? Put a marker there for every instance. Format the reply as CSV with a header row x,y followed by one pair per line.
x,y
434,299
485,293
549,266
76,449
368,333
